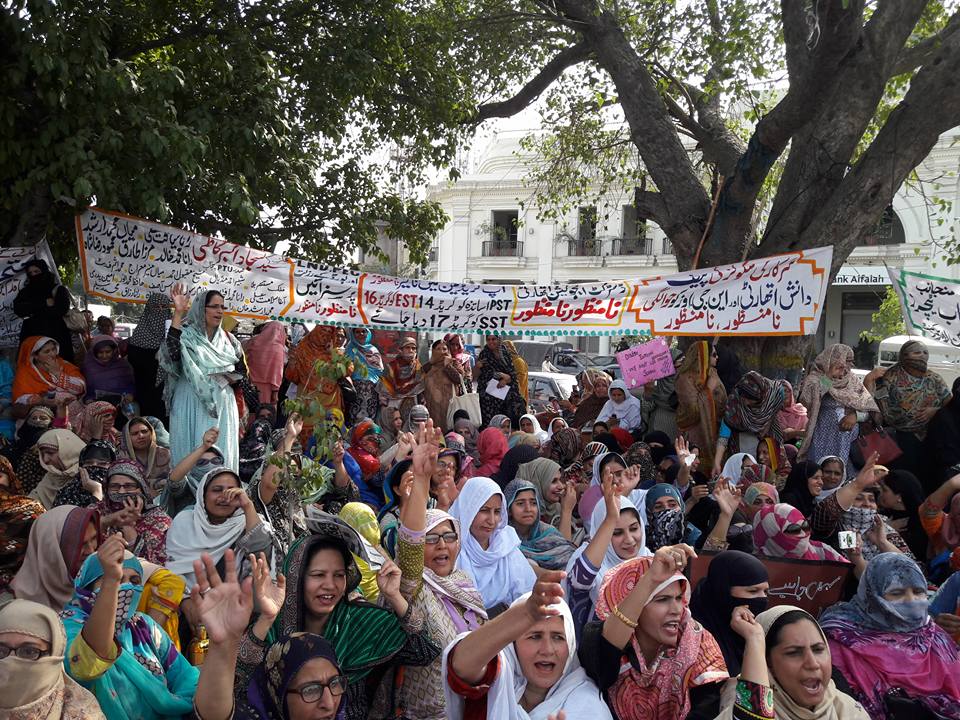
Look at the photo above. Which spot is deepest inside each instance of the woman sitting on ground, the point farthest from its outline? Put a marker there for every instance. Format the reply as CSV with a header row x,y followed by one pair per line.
x,y
540,543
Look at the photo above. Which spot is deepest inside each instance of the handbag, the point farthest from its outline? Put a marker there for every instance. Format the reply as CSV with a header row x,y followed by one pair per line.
x,y
74,318
470,402
874,439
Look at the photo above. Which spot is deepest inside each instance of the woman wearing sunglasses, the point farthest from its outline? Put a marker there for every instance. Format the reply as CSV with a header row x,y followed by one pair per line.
x,y
782,531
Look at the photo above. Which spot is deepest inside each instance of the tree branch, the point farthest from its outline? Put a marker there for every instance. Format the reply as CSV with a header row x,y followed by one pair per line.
x,y
916,55
566,58
208,224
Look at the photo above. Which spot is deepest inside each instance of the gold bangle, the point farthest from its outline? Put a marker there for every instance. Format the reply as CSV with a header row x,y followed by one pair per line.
x,y
623,618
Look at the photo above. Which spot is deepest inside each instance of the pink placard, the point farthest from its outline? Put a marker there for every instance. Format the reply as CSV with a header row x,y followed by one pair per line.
x,y
643,363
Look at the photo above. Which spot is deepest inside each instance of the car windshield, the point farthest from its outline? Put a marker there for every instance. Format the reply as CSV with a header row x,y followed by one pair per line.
x,y
603,360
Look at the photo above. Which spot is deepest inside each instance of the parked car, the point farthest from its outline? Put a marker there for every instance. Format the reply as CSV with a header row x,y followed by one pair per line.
x,y
573,362
543,387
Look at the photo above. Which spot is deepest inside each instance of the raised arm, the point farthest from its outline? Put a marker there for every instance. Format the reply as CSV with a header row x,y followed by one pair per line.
x,y
183,467
475,651
98,631
864,479
268,480
603,535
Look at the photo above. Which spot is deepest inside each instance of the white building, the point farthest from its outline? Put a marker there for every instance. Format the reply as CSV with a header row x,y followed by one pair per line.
x,y
495,236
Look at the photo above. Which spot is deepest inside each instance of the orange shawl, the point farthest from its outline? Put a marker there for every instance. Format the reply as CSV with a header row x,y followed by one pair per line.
x,y
31,380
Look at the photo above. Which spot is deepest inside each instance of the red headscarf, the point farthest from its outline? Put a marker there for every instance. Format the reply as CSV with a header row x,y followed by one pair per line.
x,y
491,446
266,354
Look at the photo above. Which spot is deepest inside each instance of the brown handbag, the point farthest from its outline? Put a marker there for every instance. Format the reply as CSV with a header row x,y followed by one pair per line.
x,y
874,439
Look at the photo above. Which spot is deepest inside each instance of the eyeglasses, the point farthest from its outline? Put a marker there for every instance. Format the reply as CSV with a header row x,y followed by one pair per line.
x,y
216,307
447,537
796,529
312,692
203,462
24,652
448,466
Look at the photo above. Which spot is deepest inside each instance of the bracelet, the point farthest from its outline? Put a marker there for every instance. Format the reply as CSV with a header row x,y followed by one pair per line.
x,y
623,618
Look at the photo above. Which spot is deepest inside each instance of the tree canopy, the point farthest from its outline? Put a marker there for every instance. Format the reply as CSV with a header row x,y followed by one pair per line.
x,y
276,120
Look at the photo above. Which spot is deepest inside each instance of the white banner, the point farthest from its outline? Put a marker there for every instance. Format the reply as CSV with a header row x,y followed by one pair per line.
x,y
13,277
126,258
930,305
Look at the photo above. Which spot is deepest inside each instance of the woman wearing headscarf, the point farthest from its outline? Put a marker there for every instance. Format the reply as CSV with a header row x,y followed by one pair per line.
x,y
60,458
42,303
43,376
441,381
940,516
651,659
909,395
942,450
491,447
391,425
368,367
803,487
782,531
365,449
666,521
539,542
545,475
733,579
564,449
118,653
132,512
266,354
362,519
530,425
900,499
884,643
729,367
17,515
35,684
401,385
793,418
594,388
97,422
618,535
202,361
751,414
490,549
428,544
254,446
836,401
756,496
370,642
36,423
523,665
146,339
623,407
735,465
139,443
772,453
459,353
60,540
496,364
87,487
222,518
181,488
105,371
701,397
794,651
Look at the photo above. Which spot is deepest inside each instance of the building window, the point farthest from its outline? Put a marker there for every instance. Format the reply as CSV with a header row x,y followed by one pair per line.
x,y
504,233
633,238
587,224
889,231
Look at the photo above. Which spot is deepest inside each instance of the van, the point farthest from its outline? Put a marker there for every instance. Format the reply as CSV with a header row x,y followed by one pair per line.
x,y
944,359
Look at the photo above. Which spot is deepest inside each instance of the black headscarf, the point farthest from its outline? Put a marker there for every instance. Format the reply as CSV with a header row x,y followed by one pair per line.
x,y
666,445
729,367
906,485
795,491
512,461
40,286
613,445
712,605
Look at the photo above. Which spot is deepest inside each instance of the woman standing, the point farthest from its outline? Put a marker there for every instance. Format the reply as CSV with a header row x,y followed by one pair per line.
x,y
266,354
909,395
146,339
368,367
402,384
836,401
752,409
203,362
459,353
43,303
318,346
496,364
440,383
701,396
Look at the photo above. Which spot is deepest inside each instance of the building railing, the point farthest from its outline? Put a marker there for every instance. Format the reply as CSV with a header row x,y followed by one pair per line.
x,y
584,248
632,246
502,248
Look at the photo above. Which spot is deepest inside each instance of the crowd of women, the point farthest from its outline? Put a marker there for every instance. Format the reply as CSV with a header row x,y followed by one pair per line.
x,y
507,566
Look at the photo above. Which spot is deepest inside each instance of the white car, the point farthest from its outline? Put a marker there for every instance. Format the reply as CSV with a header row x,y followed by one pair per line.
x,y
543,385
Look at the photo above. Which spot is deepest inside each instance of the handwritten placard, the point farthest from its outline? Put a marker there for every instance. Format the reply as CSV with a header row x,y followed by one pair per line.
x,y
13,277
930,304
811,585
645,362
126,258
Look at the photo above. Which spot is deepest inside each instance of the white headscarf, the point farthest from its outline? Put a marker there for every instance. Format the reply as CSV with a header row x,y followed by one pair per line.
x,y
733,468
550,429
501,572
541,434
574,692
629,412
610,557
192,533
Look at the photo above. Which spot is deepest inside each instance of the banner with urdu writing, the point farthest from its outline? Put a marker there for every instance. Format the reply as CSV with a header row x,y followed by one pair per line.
x,y
13,276
930,304
126,258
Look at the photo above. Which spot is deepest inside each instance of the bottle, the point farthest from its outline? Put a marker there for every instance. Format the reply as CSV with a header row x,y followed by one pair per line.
x,y
198,647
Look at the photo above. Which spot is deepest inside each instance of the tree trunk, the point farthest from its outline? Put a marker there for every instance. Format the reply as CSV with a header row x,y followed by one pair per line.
x,y
34,219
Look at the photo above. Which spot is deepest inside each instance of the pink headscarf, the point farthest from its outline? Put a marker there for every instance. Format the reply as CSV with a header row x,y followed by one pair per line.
x,y
491,446
771,540
266,354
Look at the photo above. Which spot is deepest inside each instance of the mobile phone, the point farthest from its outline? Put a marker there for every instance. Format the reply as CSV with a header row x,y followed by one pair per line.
x,y
847,539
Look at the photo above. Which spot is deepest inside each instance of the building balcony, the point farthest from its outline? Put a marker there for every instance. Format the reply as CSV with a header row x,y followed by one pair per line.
x,y
502,248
